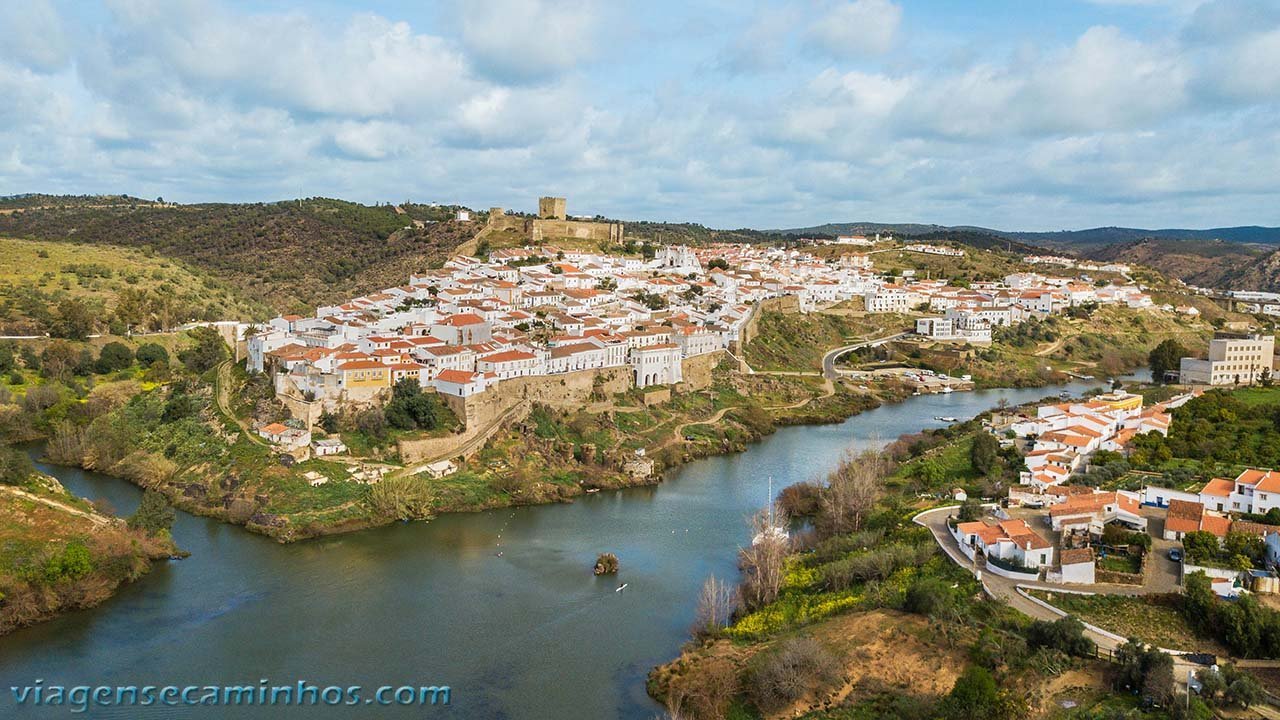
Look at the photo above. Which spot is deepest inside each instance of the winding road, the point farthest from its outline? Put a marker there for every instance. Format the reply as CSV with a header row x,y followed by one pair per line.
x,y
829,360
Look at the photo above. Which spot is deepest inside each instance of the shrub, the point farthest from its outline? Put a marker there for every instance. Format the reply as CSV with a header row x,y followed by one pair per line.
x,y
113,356
875,564
150,353
606,564
927,596
1065,634
403,498
784,673
154,514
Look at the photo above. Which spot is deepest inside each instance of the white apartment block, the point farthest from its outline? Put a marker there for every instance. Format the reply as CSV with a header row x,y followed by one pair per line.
x,y
1232,361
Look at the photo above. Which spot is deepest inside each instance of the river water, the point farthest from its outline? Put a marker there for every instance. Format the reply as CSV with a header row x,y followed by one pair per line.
x,y
527,634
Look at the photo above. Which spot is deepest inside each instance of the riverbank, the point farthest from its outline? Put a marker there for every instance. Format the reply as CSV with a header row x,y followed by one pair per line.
x,y
59,553
426,589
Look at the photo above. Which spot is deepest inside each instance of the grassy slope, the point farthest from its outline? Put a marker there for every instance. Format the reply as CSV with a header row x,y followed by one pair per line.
x,y
290,255
796,343
32,534
97,273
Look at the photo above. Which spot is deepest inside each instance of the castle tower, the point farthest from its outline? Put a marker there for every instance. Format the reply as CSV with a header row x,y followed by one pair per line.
x,y
551,208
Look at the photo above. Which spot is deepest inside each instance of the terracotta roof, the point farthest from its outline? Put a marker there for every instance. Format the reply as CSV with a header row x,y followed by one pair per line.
x,y
509,356
1253,528
462,319
1219,526
1218,487
361,365
460,377
275,429
1184,516
1075,556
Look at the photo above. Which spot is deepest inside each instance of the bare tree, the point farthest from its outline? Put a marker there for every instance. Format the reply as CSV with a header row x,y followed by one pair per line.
x,y
851,492
762,563
704,692
716,604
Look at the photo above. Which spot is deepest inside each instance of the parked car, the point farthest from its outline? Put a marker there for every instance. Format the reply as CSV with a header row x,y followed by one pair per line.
x,y
1175,555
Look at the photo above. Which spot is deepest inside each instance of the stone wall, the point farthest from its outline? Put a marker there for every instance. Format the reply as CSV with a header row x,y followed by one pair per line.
x,y
307,412
786,304
566,391
696,370
542,229
656,395
549,230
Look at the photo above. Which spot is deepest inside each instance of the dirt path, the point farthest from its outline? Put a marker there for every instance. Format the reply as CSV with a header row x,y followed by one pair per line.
x,y
828,388
91,517
1054,347
222,396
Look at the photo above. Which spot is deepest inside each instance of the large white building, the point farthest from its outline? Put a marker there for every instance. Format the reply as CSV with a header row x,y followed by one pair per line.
x,y
1240,360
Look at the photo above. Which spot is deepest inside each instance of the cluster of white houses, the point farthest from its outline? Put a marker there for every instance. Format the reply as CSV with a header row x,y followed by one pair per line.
x,y
1062,436
970,313
541,311
1120,268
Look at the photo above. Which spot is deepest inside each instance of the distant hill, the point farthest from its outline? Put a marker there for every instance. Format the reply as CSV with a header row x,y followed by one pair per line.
x,y
1207,263
1251,234
289,255
1234,258
976,237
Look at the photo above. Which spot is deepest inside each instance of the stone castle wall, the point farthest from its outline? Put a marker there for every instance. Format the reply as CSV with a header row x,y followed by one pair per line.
x,y
549,230
543,229
696,370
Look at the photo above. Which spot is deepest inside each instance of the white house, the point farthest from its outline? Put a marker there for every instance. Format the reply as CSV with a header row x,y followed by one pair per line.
x,y
1011,540
657,365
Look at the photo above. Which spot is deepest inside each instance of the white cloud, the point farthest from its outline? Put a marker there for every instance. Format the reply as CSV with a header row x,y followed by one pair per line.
x,y
528,40
371,67
31,33
200,100
858,28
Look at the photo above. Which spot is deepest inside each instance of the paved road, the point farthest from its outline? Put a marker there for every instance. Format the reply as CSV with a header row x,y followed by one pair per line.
x,y
1005,589
829,360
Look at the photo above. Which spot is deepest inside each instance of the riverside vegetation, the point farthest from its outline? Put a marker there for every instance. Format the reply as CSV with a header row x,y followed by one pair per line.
x,y
861,616
58,552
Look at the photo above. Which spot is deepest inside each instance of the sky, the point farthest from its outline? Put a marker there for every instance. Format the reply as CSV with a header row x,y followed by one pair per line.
x,y
1013,114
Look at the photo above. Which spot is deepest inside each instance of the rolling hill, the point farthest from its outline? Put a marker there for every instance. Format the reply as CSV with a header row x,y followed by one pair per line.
x,y
289,256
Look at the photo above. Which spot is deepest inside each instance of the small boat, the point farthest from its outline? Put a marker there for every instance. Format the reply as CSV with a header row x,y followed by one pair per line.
x,y
945,418
622,587
1064,395
593,490
946,389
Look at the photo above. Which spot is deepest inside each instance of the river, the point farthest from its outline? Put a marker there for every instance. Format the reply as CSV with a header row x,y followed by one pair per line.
x,y
528,634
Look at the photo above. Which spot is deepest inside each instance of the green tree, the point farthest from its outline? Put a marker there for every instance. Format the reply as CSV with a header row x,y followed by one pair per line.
x,y
154,514
150,353
1145,670
206,352
15,466
8,359
1200,545
59,360
973,696
113,356
74,321
1164,358
72,563
984,453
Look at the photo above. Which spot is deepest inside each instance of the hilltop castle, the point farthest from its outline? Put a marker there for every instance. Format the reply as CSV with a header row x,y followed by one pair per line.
x,y
552,222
